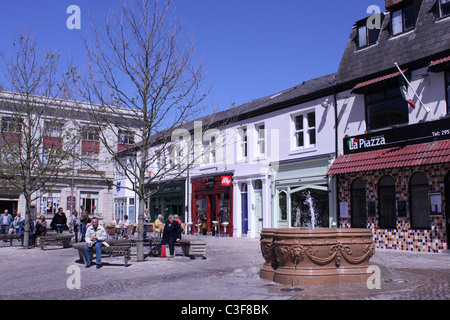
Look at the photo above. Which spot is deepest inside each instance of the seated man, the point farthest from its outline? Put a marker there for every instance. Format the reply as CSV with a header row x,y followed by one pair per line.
x,y
119,226
95,235
158,223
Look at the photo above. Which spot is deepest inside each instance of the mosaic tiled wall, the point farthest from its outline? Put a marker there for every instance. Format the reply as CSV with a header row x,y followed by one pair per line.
x,y
404,237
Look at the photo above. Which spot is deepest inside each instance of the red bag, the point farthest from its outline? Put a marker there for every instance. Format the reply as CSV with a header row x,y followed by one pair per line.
x,y
163,251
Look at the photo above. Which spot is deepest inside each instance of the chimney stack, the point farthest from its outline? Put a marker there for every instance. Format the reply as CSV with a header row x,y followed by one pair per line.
x,y
390,3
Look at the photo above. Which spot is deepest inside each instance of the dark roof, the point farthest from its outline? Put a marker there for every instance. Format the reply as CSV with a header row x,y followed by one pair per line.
x,y
306,91
408,156
429,40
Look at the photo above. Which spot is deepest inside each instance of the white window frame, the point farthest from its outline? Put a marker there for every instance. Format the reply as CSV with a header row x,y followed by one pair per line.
x,y
307,145
260,139
242,144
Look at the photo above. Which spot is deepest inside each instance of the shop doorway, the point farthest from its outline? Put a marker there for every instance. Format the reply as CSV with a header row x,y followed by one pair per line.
x,y
258,208
9,205
244,208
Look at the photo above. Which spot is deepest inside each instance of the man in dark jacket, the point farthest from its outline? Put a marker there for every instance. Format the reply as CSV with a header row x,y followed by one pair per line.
x,y
59,221
171,234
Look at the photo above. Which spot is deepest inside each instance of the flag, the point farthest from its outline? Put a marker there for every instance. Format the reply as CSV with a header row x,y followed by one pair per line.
x,y
406,92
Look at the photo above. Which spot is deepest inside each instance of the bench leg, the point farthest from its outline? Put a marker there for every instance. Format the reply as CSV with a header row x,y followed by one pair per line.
x,y
82,257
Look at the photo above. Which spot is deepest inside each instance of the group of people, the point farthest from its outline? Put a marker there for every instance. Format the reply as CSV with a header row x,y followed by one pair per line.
x,y
96,235
16,225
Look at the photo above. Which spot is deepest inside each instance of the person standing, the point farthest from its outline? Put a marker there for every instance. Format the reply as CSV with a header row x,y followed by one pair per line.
x,y
16,223
171,234
95,235
74,224
84,219
6,222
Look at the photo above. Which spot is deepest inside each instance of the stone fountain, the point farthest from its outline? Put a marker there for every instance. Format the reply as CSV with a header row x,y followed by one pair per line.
x,y
316,256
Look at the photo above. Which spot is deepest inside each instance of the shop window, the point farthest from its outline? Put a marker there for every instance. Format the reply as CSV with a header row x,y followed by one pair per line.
x,y
202,208
90,202
386,199
305,130
358,204
306,203
282,202
50,202
420,210
119,208
403,19
443,7
386,108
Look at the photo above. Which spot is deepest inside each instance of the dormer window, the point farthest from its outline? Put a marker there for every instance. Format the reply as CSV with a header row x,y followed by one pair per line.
x,y
443,8
368,34
403,19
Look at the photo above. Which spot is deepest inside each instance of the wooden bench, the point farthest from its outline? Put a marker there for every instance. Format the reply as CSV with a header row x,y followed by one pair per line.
x,y
65,239
123,249
192,248
10,238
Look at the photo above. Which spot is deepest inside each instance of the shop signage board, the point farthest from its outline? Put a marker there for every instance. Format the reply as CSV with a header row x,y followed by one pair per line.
x,y
399,136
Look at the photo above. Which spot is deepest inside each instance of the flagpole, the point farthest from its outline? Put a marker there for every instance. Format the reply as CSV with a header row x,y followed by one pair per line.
x,y
409,84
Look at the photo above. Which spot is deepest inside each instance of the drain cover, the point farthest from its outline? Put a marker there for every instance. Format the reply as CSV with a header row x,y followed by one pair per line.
x,y
292,289
395,281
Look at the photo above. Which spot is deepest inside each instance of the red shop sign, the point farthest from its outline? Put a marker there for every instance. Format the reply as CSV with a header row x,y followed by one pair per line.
x,y
225,181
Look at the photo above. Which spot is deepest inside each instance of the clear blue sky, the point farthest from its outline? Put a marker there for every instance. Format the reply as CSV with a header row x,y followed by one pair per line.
x,y
250,48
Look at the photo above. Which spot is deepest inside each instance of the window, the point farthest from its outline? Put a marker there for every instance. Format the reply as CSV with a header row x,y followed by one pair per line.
x,y
358,204
447,86
89,161
386,108
386,200
282,202
126,137
119,208
242,144
90,202
443,8
53,129
420,210
305,130
261,140
90,134
210,150
367,35
50,202
11,124
403,20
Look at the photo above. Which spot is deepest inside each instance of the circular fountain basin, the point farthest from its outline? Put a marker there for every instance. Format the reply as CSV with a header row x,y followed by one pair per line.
x,y
301,256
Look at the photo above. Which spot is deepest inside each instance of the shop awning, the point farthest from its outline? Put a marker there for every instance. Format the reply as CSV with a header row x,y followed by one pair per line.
x,y
408,156
440,64
379,81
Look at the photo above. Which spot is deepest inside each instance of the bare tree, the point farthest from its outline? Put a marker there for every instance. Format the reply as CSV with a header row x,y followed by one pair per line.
x,y
141,64
33,140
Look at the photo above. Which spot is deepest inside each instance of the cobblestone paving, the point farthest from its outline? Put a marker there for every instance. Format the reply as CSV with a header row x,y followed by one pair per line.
x,y
230,272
